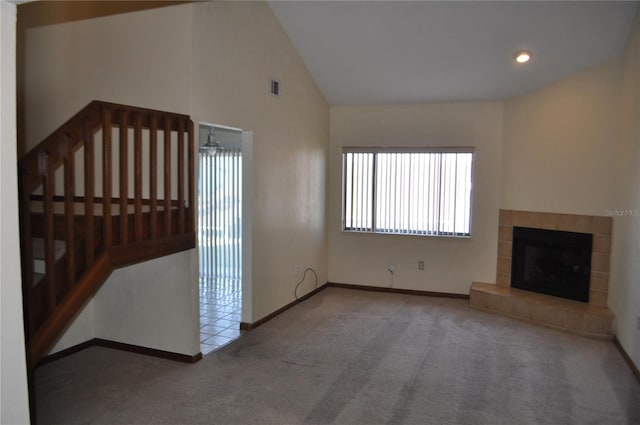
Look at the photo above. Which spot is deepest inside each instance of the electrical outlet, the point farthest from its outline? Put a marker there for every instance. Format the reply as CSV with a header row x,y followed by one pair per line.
x,y
420,265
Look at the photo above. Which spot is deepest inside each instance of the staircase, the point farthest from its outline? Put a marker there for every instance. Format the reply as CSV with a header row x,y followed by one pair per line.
x,y
111,187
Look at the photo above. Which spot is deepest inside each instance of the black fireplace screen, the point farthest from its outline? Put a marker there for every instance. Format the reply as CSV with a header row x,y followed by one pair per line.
x,y
551,262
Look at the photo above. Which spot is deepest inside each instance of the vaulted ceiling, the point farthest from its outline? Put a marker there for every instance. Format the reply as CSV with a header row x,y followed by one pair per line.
x,y
386,52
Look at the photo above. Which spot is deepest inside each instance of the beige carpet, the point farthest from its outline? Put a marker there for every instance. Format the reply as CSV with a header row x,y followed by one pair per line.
x,y
355,357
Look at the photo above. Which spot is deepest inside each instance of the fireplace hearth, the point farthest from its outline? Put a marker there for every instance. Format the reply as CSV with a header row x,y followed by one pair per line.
x,y
552,262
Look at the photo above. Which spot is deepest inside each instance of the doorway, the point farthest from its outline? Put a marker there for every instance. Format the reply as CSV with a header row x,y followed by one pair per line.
x,y
220,222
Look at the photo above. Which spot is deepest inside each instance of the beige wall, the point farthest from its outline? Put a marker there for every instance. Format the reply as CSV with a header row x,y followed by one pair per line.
x,y
560,144
139,59
14,403
238,47
624,291
451,264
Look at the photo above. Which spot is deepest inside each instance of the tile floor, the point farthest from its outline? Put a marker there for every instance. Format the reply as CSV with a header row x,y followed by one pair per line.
x,y
220,307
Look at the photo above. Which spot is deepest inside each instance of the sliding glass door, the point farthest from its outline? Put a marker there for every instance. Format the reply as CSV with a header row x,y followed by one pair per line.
x,y
220,214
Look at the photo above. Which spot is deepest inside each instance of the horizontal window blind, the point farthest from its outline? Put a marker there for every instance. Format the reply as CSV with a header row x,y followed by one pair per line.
x,y
407,191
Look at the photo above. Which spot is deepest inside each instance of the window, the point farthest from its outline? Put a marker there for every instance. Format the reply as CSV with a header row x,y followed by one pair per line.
x,y
407,191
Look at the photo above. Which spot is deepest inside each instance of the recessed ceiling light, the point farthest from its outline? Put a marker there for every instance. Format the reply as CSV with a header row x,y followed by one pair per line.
x,y
523,56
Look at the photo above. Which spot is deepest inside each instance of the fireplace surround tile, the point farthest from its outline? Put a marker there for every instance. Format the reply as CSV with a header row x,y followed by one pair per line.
x,y
505,233
503,279
598,298
504,249
565,222
479,301
602,225
558,313
496,304
522,217
582,223
601,243
593,318
600,262
574,321
506,217
553,316
594,325
521,307
504,265
599,281
549,221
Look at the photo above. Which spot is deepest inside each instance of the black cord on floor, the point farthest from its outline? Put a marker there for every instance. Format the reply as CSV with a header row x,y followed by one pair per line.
x,y
304,276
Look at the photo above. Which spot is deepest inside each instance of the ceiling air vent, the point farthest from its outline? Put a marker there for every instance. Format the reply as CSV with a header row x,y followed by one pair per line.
x,y
275,88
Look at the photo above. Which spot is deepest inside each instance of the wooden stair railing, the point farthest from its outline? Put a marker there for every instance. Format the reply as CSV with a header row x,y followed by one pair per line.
x,y
112,186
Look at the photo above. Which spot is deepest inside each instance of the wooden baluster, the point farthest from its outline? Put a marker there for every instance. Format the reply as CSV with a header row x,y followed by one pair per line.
x,y
69,186
106,176
153,178
181,176
89,193
137,171
46,170
167,176
191,177
124,178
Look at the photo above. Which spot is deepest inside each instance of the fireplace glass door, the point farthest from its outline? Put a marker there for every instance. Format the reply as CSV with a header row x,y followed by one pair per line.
x,y
552,262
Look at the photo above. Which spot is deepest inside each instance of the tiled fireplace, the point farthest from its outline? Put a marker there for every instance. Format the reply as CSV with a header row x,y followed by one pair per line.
x,y
592,318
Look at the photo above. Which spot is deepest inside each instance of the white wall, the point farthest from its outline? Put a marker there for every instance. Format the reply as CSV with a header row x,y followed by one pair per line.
x,y
624,290
14,404
560,144
451,264
151,304
81,329
141,59
238,47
